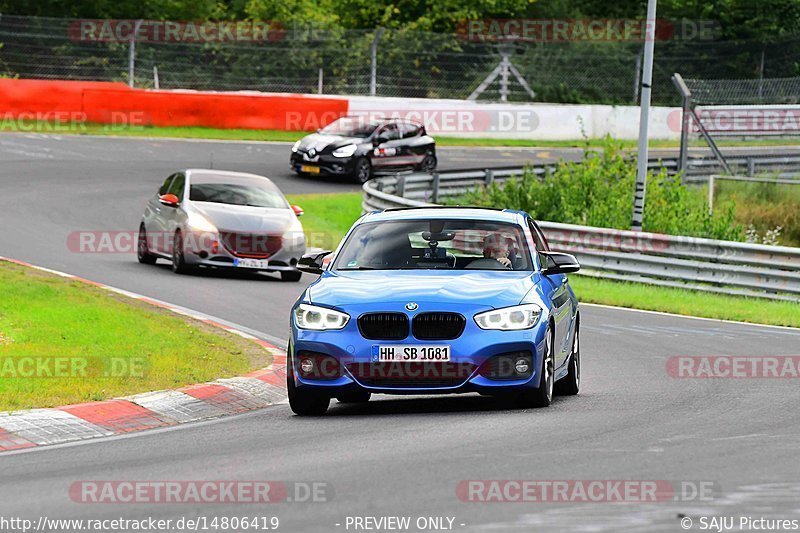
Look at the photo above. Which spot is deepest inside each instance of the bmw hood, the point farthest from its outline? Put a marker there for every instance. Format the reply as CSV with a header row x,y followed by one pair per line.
x,y
247,219
479,288
320,142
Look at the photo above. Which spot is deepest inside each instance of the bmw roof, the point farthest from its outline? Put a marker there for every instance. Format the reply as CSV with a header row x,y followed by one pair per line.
x,y
463,212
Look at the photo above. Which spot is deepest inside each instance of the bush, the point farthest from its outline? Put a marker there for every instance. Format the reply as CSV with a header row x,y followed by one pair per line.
x,y
764,207
598,191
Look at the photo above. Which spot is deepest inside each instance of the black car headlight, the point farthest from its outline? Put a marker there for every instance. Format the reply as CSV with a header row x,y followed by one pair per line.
x,y
345,151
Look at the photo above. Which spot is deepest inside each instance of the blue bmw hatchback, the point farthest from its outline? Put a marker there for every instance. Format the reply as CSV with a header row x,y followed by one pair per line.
x,y
435,300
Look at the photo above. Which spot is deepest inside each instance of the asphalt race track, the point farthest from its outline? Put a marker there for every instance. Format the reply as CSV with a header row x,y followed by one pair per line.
x,y
397,456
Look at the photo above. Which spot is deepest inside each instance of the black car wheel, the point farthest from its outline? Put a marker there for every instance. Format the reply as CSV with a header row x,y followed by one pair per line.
x,y
362,170
291,275
428,164
570,384
179,265
542,395
304,403
142,251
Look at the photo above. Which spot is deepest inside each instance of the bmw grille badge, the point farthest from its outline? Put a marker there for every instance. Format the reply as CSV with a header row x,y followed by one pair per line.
x,y
411,306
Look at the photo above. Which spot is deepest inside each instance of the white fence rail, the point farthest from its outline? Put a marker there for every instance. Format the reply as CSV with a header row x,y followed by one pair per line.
x,y
675,261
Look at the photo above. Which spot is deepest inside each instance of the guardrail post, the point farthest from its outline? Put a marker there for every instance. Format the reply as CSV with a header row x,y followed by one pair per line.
x,y
751,167
686,97
710,194
400,185
435,192
489,173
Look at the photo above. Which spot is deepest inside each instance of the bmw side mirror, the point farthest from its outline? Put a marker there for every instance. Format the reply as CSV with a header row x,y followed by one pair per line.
x,y
170,200
312,263
298,211
559,263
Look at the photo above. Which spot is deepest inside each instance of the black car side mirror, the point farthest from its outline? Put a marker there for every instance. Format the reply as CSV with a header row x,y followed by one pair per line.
x,y
312,263
559,263
380,139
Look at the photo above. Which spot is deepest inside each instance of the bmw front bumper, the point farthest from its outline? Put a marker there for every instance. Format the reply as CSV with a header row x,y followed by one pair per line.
x,y
471,353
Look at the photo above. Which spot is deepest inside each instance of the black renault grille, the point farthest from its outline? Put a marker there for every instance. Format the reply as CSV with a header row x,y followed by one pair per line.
x,y
411,374
438,326
383,326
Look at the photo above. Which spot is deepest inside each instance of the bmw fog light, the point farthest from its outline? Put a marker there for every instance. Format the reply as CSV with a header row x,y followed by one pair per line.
x,y
521,366
306,366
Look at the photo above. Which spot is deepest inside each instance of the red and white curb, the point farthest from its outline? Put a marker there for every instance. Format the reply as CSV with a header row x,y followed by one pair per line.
x,y
40,427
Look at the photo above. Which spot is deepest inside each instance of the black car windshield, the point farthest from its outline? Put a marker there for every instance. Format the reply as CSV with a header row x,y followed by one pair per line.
x,y
435,244
236,190
351,127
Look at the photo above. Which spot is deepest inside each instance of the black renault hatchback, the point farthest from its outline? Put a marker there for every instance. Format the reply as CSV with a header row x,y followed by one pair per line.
x,y
359,147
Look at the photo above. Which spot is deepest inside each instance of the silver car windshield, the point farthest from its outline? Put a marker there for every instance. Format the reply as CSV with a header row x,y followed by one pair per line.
x,y
255,192
435,244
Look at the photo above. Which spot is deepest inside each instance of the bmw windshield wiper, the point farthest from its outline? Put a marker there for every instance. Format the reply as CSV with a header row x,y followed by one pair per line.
x,y
359,268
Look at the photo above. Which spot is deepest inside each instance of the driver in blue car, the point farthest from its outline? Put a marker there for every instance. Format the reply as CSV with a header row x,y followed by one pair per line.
x,y
495,246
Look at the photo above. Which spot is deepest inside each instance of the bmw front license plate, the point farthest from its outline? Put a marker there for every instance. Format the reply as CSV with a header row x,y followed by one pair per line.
x,y
309,168
410,352
251,263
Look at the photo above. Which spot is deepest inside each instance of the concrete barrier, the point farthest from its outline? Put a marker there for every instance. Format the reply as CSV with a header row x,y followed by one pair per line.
x,y
116,103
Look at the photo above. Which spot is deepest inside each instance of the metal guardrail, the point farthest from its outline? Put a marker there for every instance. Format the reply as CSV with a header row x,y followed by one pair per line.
x,y
676,261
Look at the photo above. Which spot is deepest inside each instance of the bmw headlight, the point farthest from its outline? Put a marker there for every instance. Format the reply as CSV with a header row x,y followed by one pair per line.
x,y
308,316
509,318
345,151
295,146
200,223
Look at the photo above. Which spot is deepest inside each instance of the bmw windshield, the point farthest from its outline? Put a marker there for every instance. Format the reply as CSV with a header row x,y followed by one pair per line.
x,y
435,244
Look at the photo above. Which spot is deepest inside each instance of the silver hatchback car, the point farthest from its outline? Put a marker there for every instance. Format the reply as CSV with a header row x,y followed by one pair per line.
x,y
216,218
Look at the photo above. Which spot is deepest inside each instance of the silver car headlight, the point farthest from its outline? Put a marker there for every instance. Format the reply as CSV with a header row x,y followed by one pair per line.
x,y
295,146
509,318
200,223
345,151
308,316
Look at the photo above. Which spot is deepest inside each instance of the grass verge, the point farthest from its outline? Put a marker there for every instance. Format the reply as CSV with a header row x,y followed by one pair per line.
x,y
65,342
327,216
191,132
685,302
